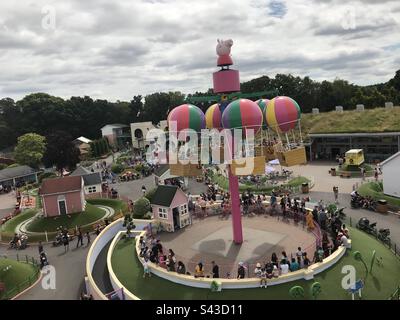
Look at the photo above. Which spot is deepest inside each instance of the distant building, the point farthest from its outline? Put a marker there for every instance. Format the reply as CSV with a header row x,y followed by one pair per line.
x,y
391,175
117,134
92,182
139,132
62,196
376,146
170,208
83,144
18,176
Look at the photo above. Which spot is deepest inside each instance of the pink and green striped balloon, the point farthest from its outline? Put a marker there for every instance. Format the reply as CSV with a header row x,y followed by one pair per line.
x,y
242,113
213,117
282,114
187,116
263,103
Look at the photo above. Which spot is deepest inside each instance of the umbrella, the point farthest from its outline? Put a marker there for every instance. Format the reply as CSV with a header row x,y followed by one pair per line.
x,y
274,162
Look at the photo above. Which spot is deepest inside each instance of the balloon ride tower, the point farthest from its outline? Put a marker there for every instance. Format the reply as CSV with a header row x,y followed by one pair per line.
x,y
227,81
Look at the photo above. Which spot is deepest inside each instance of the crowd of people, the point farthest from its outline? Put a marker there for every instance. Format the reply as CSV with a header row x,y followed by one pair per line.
x,y
151,250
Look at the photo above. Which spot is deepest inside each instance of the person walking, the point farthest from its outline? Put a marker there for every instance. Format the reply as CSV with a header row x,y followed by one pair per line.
x,y
65,242
80,238
144,190
336,194
88,238
40,247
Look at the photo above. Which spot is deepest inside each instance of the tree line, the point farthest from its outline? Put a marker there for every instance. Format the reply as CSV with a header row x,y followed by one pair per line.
x,y
60,120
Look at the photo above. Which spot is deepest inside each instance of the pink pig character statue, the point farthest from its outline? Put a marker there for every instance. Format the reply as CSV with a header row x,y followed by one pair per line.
x,y
224,51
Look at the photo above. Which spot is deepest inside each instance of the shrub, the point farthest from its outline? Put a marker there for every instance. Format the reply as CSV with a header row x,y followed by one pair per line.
x,y
46,175
117,168
141,207
3,166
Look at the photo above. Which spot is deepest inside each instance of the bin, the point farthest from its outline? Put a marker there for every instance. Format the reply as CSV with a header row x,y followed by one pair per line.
x,y
305,188
333,172
382,206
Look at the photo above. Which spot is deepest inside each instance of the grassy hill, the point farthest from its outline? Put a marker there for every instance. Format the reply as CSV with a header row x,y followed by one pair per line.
x,y
373,120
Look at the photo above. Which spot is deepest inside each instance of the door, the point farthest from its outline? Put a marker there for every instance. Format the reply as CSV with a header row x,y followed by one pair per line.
x,y
177,224
62,207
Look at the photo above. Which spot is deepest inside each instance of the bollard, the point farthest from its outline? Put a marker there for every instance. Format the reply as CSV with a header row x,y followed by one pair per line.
x,y
26,258
47,238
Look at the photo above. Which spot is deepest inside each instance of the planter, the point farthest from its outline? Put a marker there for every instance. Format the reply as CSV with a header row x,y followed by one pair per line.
x,y
382,206
305,188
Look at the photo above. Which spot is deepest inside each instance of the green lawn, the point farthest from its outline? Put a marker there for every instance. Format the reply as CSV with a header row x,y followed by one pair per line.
x,y
372,120
51,224
19,277
383,281
10,225
117,205
375,190
89,216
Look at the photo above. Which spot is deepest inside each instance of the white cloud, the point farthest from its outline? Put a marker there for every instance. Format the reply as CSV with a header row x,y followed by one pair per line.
x,y
116,49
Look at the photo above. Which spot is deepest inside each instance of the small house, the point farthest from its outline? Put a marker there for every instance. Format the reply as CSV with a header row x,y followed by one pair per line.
x,y
391,175
170,208
91,180
62,196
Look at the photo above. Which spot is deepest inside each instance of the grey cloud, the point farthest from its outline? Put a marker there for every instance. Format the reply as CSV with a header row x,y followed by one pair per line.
x,y
125,54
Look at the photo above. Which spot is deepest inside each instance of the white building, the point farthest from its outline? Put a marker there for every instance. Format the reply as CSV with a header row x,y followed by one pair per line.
x,y
391,175
139,132
117,134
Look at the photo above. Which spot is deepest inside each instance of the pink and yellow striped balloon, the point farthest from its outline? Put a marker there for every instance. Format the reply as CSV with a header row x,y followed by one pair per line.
x,y
213,117
282,114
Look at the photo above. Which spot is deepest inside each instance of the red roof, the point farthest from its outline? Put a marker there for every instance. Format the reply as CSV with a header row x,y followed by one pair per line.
x,y
60,185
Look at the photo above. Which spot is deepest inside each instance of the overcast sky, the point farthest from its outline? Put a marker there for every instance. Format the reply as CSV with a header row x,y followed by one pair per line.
x,y
120,48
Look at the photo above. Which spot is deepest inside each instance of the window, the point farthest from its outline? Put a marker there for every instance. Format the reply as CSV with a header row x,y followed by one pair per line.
x,y
162,213
183,209
92,189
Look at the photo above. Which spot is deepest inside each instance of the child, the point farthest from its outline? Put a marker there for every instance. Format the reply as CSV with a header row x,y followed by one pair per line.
x,y
257,270
146,268
275,272
263,278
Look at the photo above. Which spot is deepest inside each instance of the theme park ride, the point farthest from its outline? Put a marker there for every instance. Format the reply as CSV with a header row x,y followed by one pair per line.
x,y
272,123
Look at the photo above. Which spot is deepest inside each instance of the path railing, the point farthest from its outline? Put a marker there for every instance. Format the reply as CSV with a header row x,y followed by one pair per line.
x,y
26,283
391,245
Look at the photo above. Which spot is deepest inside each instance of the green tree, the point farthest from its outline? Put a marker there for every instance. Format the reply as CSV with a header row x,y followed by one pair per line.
x,y
141,207
30,149
61,152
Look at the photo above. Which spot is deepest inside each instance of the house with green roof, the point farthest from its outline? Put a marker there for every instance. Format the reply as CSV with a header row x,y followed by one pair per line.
x,y
170,208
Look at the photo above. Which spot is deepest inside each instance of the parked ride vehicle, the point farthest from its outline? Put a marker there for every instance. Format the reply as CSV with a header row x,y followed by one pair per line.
x,y
384,236
364,225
